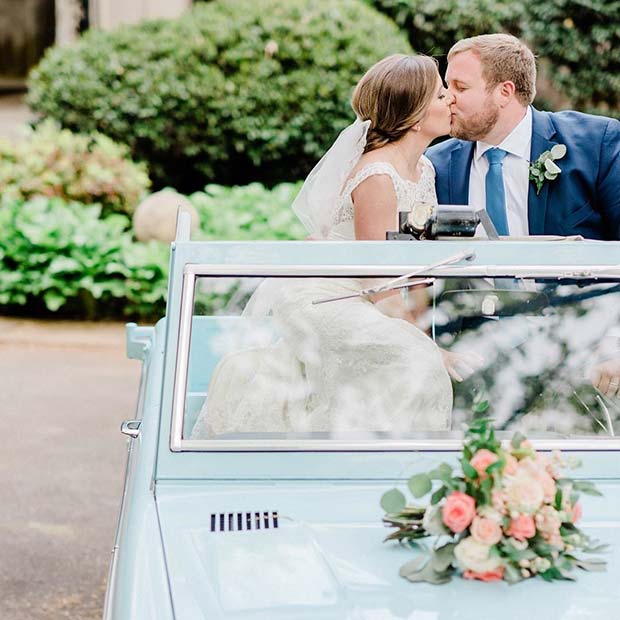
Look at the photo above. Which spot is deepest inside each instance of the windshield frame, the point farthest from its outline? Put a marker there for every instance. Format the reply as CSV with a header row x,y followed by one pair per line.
x,y
193,271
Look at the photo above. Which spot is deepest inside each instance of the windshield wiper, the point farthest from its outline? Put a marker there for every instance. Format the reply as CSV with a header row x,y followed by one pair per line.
x,y
399,282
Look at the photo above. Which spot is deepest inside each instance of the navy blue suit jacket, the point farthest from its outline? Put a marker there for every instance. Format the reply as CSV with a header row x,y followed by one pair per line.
x,y
585,197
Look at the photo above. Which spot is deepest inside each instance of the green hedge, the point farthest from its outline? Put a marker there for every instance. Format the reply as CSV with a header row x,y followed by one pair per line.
x,y
85,168
231,92
577,41
580,41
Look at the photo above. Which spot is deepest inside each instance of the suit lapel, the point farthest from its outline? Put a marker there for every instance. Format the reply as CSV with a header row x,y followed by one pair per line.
x,y
542,134
460,164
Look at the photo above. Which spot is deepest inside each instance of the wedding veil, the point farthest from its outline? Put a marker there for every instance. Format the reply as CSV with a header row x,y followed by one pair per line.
x,y
316,202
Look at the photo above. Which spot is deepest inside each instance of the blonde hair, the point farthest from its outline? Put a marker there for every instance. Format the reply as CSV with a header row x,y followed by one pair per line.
x,y
394,95
503,58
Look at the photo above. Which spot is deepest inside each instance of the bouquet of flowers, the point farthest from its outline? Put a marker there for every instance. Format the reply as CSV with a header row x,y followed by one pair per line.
x,y
510,515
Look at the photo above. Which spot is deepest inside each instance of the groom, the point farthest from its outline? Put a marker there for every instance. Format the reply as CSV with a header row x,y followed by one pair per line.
x,y
497,134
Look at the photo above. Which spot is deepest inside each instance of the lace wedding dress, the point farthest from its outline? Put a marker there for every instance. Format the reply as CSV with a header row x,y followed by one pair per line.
x,y
338,366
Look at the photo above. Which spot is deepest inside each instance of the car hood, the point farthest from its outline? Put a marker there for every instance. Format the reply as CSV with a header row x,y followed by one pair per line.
x,y
327,560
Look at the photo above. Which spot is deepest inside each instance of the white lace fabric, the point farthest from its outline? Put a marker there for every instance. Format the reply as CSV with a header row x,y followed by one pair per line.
x,y
407,192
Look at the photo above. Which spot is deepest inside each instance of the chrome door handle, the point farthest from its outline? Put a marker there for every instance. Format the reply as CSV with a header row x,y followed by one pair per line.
x,y
131,428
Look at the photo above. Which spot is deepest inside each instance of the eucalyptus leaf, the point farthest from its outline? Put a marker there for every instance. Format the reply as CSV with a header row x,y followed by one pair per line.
x,y
419,485
558,151
413,566
393,501
443,556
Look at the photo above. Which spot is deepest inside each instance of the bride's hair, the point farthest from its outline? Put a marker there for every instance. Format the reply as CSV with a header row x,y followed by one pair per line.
x,y
394,95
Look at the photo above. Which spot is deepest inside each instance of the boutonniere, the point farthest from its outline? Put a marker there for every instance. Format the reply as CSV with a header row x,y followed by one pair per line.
x,y
545,168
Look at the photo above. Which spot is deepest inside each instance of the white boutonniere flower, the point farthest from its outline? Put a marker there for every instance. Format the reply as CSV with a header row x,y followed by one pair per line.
x,y
545,168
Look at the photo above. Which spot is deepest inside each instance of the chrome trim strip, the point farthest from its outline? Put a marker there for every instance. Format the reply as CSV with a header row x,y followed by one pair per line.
x,y
182,359
474,271
379,445
192,271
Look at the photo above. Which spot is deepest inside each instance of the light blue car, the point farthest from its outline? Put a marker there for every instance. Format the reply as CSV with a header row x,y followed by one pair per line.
x,y
239,504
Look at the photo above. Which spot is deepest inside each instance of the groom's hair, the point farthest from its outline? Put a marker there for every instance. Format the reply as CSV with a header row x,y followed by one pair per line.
x,y
394,94
504,58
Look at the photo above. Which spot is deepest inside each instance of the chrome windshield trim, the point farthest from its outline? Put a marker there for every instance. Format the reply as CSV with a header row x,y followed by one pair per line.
x,y
472,271
192,271
182,359
379,445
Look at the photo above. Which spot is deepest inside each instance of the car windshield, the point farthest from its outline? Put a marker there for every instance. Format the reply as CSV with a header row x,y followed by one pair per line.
x,y
308,357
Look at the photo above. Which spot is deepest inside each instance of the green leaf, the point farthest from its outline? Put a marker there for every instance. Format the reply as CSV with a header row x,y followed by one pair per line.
x,y
593,565
420,485
393,501
517,439
443,556
413,566
512,574
468,470
438,495
587,487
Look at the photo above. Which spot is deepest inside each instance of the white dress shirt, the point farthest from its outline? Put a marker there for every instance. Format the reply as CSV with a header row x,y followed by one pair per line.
x,y
515,172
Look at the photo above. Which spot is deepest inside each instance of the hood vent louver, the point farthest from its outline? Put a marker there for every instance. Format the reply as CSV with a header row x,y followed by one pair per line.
x,y
241,521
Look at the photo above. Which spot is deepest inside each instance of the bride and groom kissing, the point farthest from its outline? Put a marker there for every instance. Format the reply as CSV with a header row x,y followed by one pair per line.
x,y
390,375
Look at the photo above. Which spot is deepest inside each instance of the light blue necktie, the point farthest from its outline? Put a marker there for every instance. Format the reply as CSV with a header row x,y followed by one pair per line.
x,y
494,186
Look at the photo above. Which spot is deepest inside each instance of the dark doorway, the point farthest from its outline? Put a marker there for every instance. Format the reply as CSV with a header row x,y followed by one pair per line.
x,y
27,28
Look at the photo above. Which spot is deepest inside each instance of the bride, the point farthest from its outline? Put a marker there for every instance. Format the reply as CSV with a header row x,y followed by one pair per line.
x,y
347,365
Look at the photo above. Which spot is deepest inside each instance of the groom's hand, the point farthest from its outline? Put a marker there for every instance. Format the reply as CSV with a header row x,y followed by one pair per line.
x,y
605,376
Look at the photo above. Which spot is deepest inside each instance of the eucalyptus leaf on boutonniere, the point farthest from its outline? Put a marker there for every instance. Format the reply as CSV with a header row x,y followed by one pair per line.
x,y
545,168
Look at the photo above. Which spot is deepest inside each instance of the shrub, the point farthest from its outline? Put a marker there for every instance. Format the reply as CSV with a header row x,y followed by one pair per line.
x,y
581,44
61,257
230,92
85,168
433,26
251,212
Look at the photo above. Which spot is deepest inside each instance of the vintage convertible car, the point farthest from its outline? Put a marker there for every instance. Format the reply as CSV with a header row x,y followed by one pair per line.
x,y
278,517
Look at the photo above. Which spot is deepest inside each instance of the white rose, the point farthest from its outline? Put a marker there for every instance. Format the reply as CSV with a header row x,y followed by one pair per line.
x,y
432,521
524,493
473,555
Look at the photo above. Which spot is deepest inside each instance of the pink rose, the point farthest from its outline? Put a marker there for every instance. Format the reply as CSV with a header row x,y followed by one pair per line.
x,y
577,513
522,527
458,511
486,531
481,460
490,575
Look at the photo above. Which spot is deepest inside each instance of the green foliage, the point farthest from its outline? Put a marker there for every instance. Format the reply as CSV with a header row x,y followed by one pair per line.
x,y
230,92
577,42
580,41
250,212
76,263
434,26
84,168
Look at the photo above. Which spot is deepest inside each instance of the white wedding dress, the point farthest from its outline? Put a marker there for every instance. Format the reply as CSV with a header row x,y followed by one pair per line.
x,y
338,366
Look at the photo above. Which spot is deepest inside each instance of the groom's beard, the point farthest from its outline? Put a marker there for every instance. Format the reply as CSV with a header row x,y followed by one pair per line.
x,y
475,127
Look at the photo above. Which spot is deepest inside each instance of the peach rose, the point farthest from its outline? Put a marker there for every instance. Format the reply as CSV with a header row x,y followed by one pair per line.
x,y
538,470
458,511
490,575
577,512
511,465
524,493
522,527
486,531
481,460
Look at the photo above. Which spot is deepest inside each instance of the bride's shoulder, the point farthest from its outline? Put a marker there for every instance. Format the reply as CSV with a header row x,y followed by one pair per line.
x,y
372,163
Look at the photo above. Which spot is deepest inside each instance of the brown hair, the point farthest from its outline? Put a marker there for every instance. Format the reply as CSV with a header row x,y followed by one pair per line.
x,y
394,95
504,59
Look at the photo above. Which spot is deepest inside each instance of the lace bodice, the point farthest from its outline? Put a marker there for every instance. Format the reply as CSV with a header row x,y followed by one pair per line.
x,y
407,192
